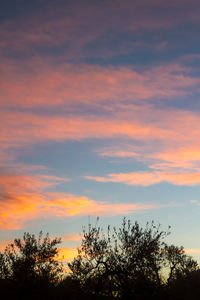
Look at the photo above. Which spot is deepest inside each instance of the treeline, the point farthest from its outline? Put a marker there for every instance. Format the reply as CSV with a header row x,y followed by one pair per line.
x,y
129,262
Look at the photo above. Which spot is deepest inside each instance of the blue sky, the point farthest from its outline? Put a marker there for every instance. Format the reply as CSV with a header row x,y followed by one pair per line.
x,y
99,116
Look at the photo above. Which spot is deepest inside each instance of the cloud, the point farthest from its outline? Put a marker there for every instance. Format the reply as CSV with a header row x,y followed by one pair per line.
x,y
75,26
19,182
105,103
40,82
44,101
174,159
195,202
192,251
170,127
120,153
166,140
24,198
30,129
183,157
41,101
71,237
149,178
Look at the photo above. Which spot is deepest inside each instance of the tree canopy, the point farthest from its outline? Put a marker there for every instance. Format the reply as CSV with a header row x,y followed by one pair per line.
x,y
129,261
30,263
125,262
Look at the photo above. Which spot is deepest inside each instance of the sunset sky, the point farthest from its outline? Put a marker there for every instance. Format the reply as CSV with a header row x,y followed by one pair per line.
x,y
99,116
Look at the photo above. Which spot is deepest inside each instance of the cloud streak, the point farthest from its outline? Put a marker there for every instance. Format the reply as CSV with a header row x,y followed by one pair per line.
x,y
136,126
149,178
75,26
25,198
192,251
40,82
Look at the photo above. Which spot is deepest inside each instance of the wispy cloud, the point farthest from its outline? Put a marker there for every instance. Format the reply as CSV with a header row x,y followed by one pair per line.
x,y
171,126
40,82
76,25
136,127
149,178
195,202
26,198
192,251
71,237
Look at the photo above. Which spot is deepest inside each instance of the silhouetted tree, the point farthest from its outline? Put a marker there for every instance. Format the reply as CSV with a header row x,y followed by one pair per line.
x,y
178,263
30,265
129,262
4,284
3,266
185,287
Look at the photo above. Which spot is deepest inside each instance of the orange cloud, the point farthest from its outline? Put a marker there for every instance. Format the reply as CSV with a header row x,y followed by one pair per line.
x,y
184,157
69,205
192,251
24,198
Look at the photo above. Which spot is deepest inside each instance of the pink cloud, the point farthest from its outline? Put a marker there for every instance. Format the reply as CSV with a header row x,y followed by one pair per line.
x,y
27,129
121,97
71,237
149,178
40,82
167,127
183,157
120,153
173,132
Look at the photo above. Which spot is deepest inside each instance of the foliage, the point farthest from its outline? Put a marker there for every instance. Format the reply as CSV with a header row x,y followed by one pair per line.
x,y
178,263
30,264
128,262
3,266
185,287
30,258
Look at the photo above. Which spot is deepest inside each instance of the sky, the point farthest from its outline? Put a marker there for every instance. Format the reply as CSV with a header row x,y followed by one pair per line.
x,y
99,116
